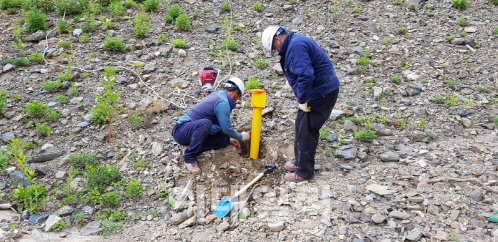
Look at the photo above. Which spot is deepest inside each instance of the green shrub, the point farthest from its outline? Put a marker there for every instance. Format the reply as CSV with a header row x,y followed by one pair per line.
x,y
36,20
258,7
110,228
252,83
496,120
116,9
356,10
52,116
450,83
7,4
162,38
63,27
71,7
151,5
52,86
130,4
82,160
226,6
16,62
59,225
43,129
459,4
108,24
11,11
73,90
230,45
44,5
31,198
134,189
29,145
260,64
365,135
430,14
183,22
402,30
84,38
66,76
440,100
2,104
462,22
398,2
411,6
64,44
396,79
95,8
462,34
495,31
493,1
100,177
114,43
84,74
36,109
136,120
4,160
449,38
169,19
36,57
174,11
110,199
178,43
90,25
142,26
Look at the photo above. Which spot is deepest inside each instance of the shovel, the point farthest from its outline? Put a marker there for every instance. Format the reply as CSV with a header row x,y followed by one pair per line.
x,y
225,206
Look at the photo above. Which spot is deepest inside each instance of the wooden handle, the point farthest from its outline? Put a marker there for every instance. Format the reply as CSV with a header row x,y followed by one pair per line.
x,y
249,185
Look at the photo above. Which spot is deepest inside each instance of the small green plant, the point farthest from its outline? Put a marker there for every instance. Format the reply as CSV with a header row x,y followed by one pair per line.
x,y
469,103
108,24
151,5
84,74
398,2
450,83
483,89
252,83
411,6
171,201
226,6
449,38
440,100
323,134
142,163
396,79
116,9
84,38
141,25
52,116
4,160
31,198
496,120
260,64
73,90
110,228
258,7
134,189
36,109
424,81
82,160
16,62
364,61
462,22
452,100
114,43
385,41
130,4
421,123
459,4
495,31
63,27
29,145
352,102
430,14
382,119
36,20
111,199
462,34
59,225
178,43
229,45
43,129
295,1
403,31
16,31
136,120
36,57
365,135
99,177
90,25
356,10
52,86
454,238
183,22
173,12
162,38
11,11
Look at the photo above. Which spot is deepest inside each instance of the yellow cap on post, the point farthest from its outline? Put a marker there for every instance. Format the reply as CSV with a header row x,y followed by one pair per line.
x,y
258,102
258,98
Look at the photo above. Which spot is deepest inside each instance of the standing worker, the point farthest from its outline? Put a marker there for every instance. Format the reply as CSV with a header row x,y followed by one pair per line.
x,y
316,87
207,125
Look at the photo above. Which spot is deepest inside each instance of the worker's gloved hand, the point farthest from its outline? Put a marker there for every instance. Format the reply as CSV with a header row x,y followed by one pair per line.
x,y
246,136
305,107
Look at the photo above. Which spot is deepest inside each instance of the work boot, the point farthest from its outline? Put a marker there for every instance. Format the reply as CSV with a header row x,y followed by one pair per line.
x,y
293,177
183,148
193,168
290,166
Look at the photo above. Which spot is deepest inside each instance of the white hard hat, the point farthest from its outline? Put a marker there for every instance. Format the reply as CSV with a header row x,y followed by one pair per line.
x,y
239,83
267,38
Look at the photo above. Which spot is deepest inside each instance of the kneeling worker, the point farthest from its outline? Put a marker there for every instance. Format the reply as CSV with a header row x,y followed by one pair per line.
x,y
207,125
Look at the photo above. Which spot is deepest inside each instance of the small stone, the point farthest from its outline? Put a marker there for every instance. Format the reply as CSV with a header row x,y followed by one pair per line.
x,y
189,222
211,28
331,138
60,175
277,226
77,32
379,189
463,113
378,218
278,69
399,215
7,67
182,53
414,236
19,178
25,214
454,215
389,156
8,136
157,148
178,218
52,219
38,35
178,82
336,114
288,7
352,71
476,195
442,236
363,18
470,29
432,209
83,124
65,211
210,218
91,228
350,126
54,104
347,152
222,226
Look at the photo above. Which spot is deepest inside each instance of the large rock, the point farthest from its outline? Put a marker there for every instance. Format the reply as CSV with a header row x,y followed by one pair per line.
x,y
8,67
178,218
52,219
350,126
222,226
19,178
336,114
414,236
347,152
65,211
277,226
38,35
389,156
8,136
91,228
378,218
150,67
45,157
187,223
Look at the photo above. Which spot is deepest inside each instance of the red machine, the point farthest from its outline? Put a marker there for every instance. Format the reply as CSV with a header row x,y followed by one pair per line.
x,y
207,78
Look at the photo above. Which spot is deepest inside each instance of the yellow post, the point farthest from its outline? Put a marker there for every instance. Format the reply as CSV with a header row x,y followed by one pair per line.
x,y
258,102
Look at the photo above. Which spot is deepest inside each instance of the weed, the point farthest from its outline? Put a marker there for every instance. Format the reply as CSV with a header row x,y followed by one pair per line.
x,y
483,89
43,129
356,10
151,5
71,7
469,103
370,87
84,74
449,38
11,11
90,25
84,38
323,134
454,238
411,6
229,45
495,31
100,177
226,6
52,116
36,57
136,120
183,22
462,22
382,119
496,120
29,145
365,135
16,31
116,9
111,199
459,4
36,20
130,4
173,12
252,83
15,148
4,160
352,102
260,64
134,189
450,83
16,62
73,90
171,202
178,43
462,34
82,160
398,2
258,7
63,27
108,24
52,86
110,228
421,123
36,109
440,100
141,163
141,25
364,61
114,43
403,31
430,14
385,41
295,1
59,225
396,79
162,38
78,218
452,100
31,198
424,81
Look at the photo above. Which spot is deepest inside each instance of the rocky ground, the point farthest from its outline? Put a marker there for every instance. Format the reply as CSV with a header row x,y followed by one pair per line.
x,y
429,176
